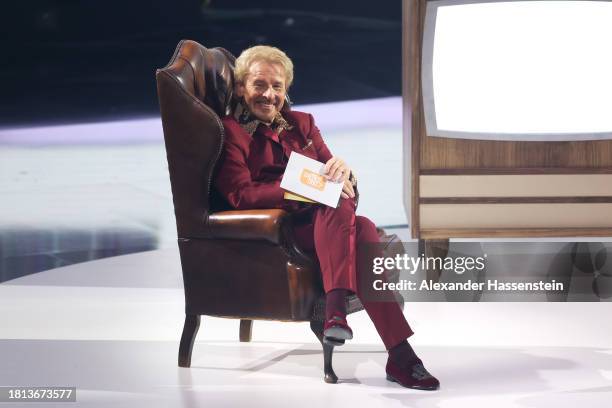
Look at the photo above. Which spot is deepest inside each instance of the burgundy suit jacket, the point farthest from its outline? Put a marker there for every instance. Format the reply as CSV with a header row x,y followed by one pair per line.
x,y
251,167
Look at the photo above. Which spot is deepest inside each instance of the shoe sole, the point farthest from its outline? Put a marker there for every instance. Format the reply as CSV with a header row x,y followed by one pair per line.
x,y
338,333
390,378
333,341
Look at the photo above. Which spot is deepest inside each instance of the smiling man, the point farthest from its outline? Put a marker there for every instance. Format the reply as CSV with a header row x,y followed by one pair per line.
x,y
261,134
263,89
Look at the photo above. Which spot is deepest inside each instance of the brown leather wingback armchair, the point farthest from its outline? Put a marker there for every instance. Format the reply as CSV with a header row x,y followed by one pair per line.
x,y
237,264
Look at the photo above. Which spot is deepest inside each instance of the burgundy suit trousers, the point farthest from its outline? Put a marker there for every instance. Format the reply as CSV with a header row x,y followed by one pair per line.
x,y
344,244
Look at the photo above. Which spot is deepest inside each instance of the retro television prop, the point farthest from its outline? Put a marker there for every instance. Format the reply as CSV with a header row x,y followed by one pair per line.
x,y
508,118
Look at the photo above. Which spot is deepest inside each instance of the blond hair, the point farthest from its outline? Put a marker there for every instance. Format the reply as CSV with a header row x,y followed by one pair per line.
x,y
262,53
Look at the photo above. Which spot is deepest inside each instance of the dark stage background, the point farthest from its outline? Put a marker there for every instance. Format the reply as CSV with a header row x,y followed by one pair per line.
x,y
73,61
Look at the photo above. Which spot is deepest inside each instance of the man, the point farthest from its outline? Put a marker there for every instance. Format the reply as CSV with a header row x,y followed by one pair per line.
x,y
260,135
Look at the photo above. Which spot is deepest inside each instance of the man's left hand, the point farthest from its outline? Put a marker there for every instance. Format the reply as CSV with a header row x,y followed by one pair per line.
x,y
336,170
347,190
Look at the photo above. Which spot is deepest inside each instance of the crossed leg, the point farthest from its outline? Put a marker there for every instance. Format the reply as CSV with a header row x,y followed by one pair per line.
x,y
345,245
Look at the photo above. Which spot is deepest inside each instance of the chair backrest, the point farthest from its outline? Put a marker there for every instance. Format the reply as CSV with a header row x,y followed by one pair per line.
x,y
194,90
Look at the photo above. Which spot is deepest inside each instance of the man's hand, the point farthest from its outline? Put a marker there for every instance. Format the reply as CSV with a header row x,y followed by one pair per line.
x,y
336,170
347,190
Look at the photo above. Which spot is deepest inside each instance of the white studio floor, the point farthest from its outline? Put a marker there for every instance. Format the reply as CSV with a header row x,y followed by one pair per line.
x,y
111,328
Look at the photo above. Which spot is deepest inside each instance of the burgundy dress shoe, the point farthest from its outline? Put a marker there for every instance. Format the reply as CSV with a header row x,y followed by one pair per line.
x,y
411,375
336,330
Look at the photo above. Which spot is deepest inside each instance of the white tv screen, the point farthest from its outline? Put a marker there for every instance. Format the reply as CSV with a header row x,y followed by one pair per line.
x,y
518,70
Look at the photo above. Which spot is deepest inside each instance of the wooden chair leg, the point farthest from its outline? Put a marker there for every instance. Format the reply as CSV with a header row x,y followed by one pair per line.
x,y
328,351
190,330
246,330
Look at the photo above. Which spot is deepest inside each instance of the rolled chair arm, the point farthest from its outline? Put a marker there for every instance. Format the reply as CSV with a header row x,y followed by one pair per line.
x,y
270,225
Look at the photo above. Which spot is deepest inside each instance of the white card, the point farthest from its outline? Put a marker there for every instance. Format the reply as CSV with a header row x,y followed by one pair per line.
x,y
304,176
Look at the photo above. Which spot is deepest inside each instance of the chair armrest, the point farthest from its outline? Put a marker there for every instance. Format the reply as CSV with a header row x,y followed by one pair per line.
x,y
270,225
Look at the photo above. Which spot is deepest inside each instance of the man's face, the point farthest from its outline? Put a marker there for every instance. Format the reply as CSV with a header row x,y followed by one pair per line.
x,y
264,90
